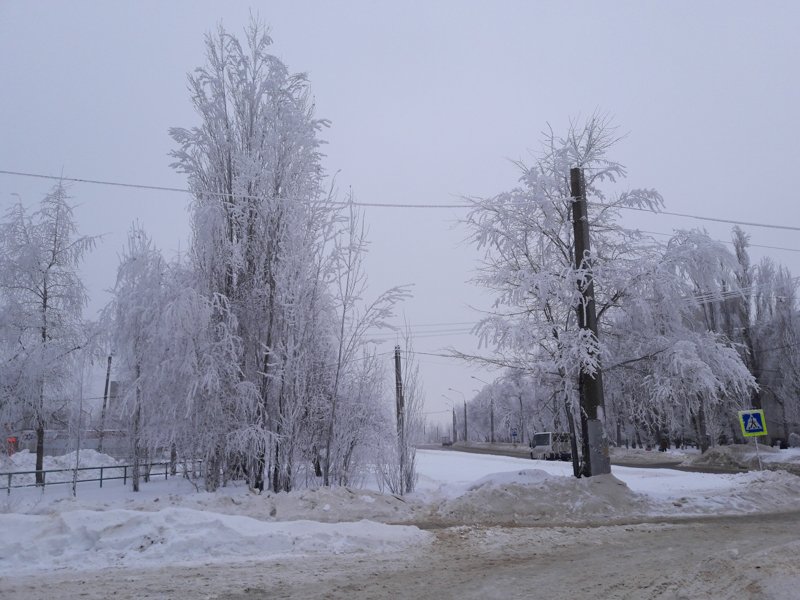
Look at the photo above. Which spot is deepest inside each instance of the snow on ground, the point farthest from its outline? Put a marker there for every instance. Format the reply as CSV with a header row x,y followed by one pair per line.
x,y
640,456
630,492
26,461
745,456
172,521
87,539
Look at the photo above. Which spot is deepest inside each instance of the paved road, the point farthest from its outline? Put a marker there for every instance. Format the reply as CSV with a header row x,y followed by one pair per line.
x,y
522,452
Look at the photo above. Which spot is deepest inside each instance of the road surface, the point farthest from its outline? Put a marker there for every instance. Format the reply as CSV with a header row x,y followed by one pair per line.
x,y
744,557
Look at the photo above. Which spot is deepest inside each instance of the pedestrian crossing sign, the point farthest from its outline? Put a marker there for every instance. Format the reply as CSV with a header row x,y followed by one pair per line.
x,y
752,422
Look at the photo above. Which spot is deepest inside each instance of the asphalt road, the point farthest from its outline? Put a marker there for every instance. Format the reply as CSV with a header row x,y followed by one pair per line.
x,y
521,451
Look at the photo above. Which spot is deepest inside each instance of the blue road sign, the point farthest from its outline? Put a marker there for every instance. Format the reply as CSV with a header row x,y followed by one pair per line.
x,y
752,423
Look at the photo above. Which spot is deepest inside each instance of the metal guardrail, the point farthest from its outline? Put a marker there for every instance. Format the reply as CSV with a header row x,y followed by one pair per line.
x,y
147,473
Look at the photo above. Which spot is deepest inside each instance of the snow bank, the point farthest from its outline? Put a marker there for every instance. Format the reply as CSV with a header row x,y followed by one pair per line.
x,y
327,505
26,461
82,539
756,491
534,496
170,522
743,456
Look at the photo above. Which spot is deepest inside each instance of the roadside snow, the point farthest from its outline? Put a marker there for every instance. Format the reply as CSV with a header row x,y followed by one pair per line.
x,y
170,521
90,539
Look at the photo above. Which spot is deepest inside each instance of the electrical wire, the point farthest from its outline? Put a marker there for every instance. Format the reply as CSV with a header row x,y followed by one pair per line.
x,y
392,205
161,188
749,245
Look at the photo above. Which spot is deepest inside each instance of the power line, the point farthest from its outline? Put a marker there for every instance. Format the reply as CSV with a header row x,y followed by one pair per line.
x,y
422,334
391,205
730,243
161,188
441,324
700,218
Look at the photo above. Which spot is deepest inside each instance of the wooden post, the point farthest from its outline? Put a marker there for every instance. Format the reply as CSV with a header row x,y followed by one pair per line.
x,y
595,444
398,377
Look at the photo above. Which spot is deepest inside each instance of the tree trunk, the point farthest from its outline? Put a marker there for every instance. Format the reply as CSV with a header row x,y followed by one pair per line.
x,y
173,460
702,429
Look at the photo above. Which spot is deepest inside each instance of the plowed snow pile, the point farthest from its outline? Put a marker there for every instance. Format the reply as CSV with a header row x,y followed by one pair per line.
x,y
170,521
744,456
533,496
82,539
324,504
757,491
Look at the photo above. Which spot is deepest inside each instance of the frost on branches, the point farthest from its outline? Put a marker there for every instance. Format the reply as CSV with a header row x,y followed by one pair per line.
x,y
251,355
662,359
41,301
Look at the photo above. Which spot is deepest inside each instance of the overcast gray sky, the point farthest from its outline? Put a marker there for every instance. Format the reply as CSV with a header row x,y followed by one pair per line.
x,y
428,101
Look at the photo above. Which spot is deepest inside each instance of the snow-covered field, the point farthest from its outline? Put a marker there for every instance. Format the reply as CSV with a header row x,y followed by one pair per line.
x,y
169,522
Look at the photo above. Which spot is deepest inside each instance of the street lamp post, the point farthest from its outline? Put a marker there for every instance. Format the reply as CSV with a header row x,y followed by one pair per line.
x,y
454,431
465,410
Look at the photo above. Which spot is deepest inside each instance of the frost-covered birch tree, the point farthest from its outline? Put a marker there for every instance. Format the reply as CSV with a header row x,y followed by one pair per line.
x,y
42,299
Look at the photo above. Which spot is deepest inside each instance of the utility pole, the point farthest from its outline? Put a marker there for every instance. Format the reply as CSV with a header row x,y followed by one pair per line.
x,y
398,378
491,417
595,445
105,407
455,429
465,420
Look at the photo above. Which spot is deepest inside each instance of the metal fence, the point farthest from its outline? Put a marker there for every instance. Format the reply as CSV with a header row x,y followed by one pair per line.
x,y
107,473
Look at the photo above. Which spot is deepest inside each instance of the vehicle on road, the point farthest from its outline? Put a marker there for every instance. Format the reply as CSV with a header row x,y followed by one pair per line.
x,y
550,445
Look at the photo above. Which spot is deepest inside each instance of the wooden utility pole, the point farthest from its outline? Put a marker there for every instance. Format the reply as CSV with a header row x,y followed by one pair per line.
x,y
398,378
595,445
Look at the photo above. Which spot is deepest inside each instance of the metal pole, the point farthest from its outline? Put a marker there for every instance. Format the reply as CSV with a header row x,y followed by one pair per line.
x,y
758,456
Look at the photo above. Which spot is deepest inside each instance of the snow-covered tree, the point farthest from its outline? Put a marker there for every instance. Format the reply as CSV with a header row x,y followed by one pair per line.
x,y
259,218
672,372
659,308
355,316
527,237
137,339
42,299
272,252
775,334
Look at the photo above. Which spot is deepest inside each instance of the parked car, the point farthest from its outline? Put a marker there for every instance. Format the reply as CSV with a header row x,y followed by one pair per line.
x,y
549,445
